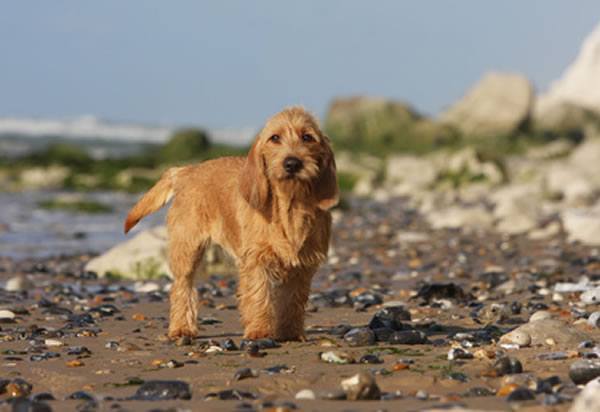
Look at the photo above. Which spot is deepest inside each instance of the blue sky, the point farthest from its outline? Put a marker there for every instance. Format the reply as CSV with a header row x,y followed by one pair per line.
x,y
233,63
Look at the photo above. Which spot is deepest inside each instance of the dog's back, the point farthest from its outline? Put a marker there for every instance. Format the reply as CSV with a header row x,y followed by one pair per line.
x,y
211,183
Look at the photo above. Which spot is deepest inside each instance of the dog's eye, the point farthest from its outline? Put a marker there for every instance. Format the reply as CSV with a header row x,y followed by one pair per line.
x,y
307,138
275,138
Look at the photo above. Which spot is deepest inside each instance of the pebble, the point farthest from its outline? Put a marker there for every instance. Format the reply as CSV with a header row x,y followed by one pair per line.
x,y
507,366
408,337
390,318
340,358
540,315
17,388
360,337
584,370
29,405
370,358
53,342
306,394
588,399
516,337
459,353
229,395
521,394
590,297
6,316
245,373
18,284
594,320
163,390
361,386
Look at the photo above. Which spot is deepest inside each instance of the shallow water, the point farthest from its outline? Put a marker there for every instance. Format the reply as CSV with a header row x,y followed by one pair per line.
x,y
28,231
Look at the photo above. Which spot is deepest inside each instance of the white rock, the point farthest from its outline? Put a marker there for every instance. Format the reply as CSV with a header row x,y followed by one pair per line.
x,y
594,320
44,177
540,315
145,287
582,225
18,284
498,104
588,400
458,217
6,315
53,342
567,287
516,337
580,83
306,394
591,297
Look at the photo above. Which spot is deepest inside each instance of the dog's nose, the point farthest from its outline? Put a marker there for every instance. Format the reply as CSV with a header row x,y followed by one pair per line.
x,y
292,164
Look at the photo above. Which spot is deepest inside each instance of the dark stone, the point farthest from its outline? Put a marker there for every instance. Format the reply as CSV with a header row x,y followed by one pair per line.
x,y
79,351
28,405
382,334
272,370
43,396
163,390
390,318
360,337
261,343
408,337
507,366
547,385
230,395
81,396
340,330
521,394
244,373
584,370
478,391
431,291
229,345
371,359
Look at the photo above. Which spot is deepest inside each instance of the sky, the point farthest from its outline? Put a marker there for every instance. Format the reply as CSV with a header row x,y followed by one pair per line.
x,y
234,63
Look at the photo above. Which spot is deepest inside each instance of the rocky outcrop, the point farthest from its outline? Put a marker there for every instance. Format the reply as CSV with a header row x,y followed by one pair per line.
x,y
379,125
580,83
499,104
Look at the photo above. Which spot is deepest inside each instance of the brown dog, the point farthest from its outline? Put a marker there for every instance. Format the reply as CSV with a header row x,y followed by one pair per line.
x,y
268,210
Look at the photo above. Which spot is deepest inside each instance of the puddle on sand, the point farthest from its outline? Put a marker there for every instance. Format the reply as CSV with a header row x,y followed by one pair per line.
x,y
28,231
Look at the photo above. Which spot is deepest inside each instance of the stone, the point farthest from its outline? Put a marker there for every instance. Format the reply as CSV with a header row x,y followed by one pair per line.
x,y
6,316
163,390
36,178
582,225
361,386
579,84
378,124
407,174
507,366
564,181
590,297
408,337
390,317
584,370
455,217
18,284
594,320
245,373
588,399
145,257
360,337
542,330
540,315
306,394
499,104
521,394
517,207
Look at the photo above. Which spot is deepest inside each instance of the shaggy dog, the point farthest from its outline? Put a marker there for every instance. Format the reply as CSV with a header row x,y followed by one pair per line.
x,y
269,210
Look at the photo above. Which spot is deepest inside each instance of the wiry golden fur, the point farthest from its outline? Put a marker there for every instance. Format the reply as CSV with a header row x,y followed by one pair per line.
x,y
274,223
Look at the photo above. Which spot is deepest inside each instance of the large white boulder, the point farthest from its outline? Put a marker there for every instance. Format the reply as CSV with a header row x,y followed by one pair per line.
x,y
580,83
497,105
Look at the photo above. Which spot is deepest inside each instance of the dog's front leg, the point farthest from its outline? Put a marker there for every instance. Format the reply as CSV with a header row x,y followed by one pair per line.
x,y
272,301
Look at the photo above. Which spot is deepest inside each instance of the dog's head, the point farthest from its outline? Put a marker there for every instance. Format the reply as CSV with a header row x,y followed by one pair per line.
x,y
292,153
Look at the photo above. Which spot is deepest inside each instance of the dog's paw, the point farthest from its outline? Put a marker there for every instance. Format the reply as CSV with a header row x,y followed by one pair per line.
x,y
176,333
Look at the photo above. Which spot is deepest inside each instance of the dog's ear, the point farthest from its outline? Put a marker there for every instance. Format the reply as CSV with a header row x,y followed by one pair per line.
x,y
254,185
326,186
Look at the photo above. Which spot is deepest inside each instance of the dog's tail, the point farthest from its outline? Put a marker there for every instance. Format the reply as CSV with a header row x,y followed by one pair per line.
x,y
153,199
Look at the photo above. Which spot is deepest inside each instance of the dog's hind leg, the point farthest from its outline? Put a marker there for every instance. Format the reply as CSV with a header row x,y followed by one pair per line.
x,y
185,256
